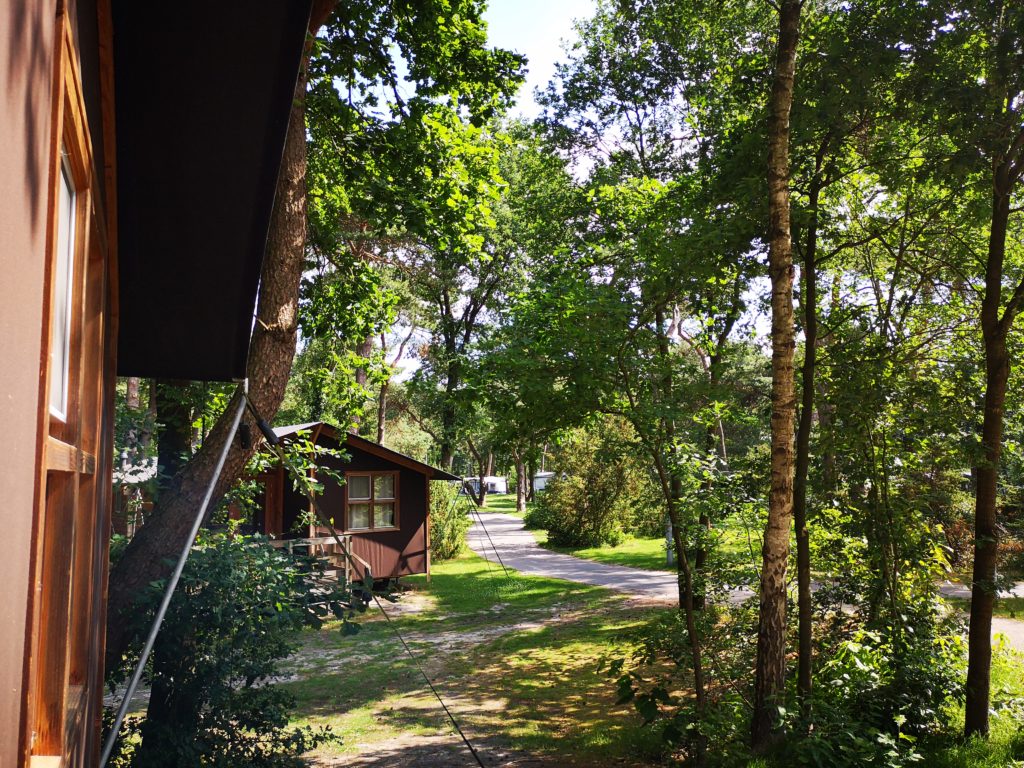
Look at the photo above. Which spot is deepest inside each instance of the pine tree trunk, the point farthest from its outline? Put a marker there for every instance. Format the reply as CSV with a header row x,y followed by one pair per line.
x,y
770,670
986,529
520,484
270,358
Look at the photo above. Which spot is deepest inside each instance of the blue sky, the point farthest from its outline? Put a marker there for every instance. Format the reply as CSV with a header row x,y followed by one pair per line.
x,y
535,28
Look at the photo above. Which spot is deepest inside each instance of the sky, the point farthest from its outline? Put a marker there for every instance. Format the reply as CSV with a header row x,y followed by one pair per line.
x,y
535,28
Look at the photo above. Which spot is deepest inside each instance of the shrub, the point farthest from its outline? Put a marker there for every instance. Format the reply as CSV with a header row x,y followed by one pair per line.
x,y
601,491
234,616
449,521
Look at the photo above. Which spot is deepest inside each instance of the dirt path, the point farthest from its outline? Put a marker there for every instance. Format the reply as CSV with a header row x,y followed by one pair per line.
x,y
516,548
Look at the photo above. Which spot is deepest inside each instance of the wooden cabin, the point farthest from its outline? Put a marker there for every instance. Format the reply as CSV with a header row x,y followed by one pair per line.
x,y
382,509
141,147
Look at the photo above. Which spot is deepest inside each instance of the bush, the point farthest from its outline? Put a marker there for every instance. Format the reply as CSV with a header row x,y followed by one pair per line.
x,y
876,698
601,492
449,521
234,616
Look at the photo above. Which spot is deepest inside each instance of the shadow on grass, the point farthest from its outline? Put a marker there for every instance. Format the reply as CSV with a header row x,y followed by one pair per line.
x,y
471,588
537,693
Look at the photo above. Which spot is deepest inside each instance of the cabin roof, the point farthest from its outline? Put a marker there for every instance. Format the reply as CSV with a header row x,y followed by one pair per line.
x,y
319,428
199,144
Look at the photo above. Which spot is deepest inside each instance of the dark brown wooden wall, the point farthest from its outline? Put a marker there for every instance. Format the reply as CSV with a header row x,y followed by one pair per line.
x,y
393,553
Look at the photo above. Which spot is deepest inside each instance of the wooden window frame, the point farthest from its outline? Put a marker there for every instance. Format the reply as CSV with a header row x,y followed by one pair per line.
x,y
63,689
371,474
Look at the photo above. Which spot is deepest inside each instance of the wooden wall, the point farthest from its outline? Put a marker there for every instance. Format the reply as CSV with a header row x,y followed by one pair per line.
x,y
26,72
391,553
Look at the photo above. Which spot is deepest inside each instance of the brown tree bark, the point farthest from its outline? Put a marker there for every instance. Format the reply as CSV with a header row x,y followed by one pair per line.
x,y
986,530
481,468
270,358
174,433
770,670
809,275
521,483
382,411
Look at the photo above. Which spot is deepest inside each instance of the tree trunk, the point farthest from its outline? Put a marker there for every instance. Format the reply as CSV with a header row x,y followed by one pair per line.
x,y
520,484
829,470
132,393
382,411
481,468
270,359
803,452
174,443
770,670
986,530
364,350
449,414
670,489
531,472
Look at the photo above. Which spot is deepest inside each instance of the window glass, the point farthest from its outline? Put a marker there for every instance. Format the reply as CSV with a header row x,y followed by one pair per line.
x,y
60,342
383,515
358,487
384,487
359,516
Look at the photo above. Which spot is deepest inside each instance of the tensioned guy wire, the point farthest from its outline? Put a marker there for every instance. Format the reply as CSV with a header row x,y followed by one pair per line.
x,y
476,508
369,577
172,582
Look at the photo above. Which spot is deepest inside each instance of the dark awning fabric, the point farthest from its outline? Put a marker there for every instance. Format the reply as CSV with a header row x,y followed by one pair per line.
x,y
202,96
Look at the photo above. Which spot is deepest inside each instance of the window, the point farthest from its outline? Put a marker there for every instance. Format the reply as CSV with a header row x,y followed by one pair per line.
x,y
371,500
63,294
65,649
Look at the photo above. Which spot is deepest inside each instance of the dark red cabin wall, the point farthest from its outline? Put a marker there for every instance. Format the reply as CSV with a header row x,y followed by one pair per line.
x,y
400,552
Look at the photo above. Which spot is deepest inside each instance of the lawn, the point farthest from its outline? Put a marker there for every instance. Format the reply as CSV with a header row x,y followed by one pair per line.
x,y
1006,607
516,658
504,503
649,553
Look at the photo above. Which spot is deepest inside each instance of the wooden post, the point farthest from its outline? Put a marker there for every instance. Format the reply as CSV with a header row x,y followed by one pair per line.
x,y
426,522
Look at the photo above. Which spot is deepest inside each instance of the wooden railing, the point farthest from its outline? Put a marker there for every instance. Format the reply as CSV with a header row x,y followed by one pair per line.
x,y
345,563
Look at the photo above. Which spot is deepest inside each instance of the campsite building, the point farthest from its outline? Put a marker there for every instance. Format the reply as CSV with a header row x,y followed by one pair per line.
x,y
141,148
381,510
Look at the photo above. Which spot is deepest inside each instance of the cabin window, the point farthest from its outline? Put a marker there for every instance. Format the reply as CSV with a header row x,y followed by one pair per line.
x,y
76,376
372,500
64,268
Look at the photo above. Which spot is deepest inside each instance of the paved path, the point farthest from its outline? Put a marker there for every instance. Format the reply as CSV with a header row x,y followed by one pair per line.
x,y
518,549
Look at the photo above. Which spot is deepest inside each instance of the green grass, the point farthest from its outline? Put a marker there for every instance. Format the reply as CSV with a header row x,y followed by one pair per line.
x,y
1005,745
515,656
1006,607
649,553
504,503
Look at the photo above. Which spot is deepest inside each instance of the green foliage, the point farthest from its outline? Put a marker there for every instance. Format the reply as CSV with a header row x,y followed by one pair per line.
x,y
232,620
876,700
449,521
657,677
601,489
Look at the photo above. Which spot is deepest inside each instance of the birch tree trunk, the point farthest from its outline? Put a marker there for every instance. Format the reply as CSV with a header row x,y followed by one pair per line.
x,y
770,670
